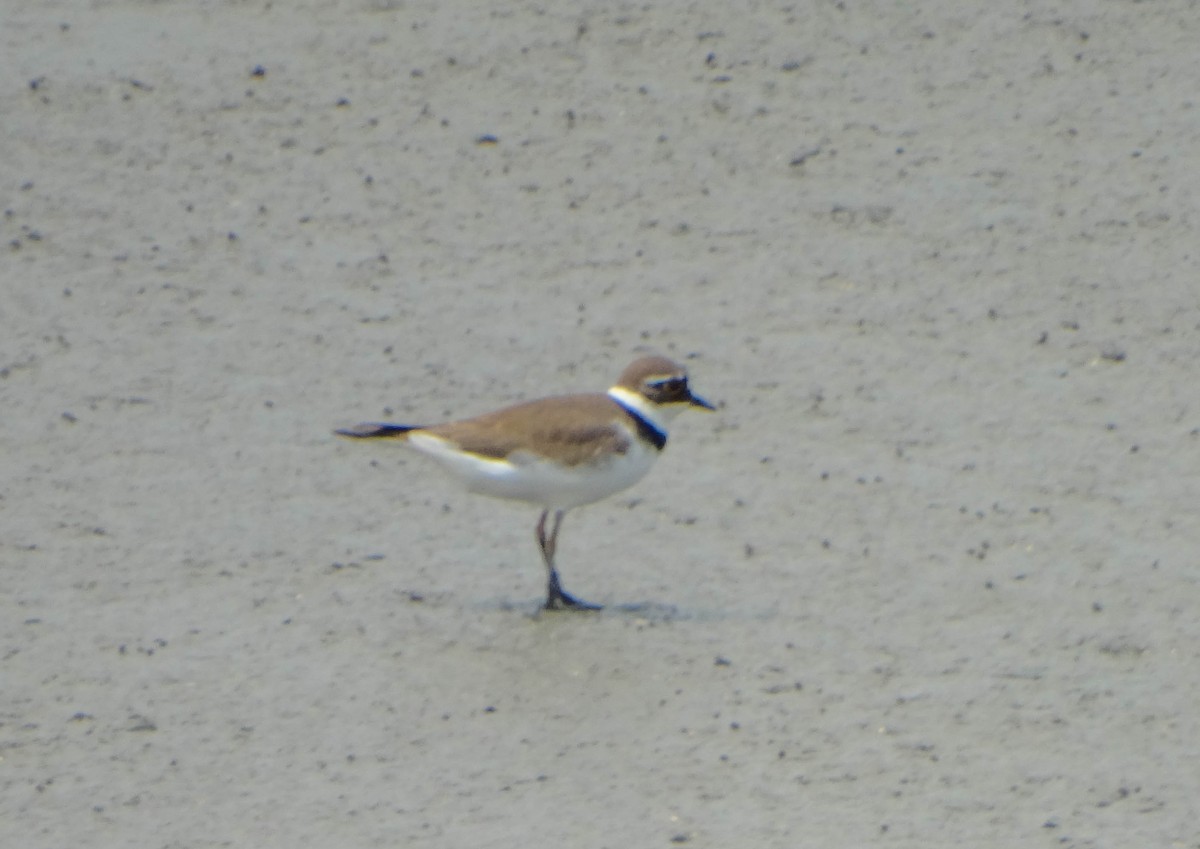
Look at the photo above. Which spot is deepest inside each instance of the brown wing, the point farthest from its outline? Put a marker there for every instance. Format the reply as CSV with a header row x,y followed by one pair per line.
x,y
573,429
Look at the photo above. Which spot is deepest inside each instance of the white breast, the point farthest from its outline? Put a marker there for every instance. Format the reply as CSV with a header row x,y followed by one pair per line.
x,y
528,477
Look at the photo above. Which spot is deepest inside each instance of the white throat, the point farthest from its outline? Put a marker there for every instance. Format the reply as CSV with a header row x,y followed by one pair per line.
x,y
653,413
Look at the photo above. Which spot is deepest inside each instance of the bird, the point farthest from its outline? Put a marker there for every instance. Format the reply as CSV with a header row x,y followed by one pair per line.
x,y
560,452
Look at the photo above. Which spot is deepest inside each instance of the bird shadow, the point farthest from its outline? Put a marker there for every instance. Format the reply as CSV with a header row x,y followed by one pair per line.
x,y
641,611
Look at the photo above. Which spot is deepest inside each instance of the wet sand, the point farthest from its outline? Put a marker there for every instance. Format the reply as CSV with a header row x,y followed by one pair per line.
x,y
927,578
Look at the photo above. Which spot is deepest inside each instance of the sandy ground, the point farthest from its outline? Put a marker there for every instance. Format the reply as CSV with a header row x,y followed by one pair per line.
x,y
929,577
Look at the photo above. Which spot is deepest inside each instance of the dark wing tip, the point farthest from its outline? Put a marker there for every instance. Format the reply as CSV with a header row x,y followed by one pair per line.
x,y
369,430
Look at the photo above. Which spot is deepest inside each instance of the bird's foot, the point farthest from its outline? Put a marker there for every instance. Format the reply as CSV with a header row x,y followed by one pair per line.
x,y
565,601
559,599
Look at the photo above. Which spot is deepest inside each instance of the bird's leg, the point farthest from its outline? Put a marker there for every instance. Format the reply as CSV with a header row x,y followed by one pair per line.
x,y
540,531
556,597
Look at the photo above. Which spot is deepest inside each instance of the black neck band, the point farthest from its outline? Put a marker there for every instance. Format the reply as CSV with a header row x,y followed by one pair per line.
x,y
646,429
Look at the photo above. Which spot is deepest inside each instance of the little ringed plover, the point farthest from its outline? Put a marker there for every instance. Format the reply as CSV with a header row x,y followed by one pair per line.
x,y
559,452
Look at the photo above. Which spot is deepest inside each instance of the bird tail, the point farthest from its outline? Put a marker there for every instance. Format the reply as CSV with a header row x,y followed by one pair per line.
x,y
376,430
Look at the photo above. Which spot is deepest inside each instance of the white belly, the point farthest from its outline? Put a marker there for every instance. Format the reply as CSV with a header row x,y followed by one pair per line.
x,y
528,478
